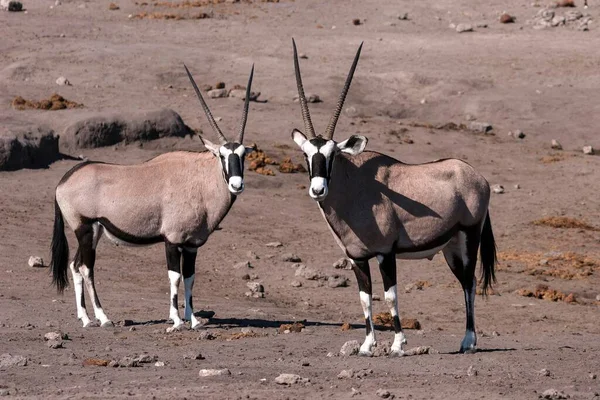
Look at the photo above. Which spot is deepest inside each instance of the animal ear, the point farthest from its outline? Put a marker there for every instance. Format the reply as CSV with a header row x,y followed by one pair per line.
x,y
299,137
213,148
354,145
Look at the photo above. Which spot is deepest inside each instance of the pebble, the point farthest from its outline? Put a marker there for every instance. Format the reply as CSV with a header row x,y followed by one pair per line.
x,y
506,18
336,281
55,344
598,297
517,186
36,262
62,81
55,336
241,94
589,150
544,372
307,273
342,263
518,134
220,85
274,244
213,372
346,374
417,351
145,359
383,393
255,287
243,264
296,283
217,93
460,28
483,127
471,371
310,98
351,111
498,189
252,255
553,394
403,16
350,348
7,360
159,364
193,355
206,335
290,257
556,145
592,376
290,379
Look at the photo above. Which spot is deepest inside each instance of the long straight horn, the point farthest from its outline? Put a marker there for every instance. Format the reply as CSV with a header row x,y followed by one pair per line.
x,y
334,118
308,126
211,120
245,112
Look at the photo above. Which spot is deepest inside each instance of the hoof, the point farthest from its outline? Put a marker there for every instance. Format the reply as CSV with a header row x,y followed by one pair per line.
x,y
201,324
468,350
175,328
108,324
365,354
396,353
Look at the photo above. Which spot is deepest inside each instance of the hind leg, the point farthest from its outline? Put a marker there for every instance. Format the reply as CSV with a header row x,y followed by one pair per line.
x,y
387,267
79,295
363,277
88,236
461,256
189,274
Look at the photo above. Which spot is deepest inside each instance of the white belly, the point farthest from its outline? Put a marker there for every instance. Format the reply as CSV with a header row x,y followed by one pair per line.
x,y
421,254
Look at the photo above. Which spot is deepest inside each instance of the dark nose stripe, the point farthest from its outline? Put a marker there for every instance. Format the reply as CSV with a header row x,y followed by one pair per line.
x,y
235,165
319,166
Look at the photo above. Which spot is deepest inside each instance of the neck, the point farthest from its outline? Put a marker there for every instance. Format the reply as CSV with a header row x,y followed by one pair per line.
x,y
217,210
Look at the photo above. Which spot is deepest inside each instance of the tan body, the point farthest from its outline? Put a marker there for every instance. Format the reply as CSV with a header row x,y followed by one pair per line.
x,y
178,197
378,205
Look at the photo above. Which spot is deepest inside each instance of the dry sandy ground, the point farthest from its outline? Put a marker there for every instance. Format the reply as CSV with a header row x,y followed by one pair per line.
x,y
544,82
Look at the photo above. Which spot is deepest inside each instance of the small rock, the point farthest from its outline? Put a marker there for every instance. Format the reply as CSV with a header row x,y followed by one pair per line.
x,y
543,262
336,281
36,262
410,323
403,16
355,392
193,355
213,372
55,344
356,21
556,145
544,372
417,351
159,364
255,287
220,85
346,374
558,21
53,336
598,297
113,364
342,263
589,150
592,376
290,379
482,127
13,6
307,273
145,358
296,283
506,18
553,394
518,134
289,257
7,361
517,186
481,25
62,81
351,111
217,93
383,393
350,348
573,15
498,189
310,98
206,335
303,56
128,362
471,371
243,264
274,244
460,28
252,255
241,94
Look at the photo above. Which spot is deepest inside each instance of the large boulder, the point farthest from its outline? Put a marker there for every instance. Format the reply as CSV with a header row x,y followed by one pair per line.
x,y
106,130
27,147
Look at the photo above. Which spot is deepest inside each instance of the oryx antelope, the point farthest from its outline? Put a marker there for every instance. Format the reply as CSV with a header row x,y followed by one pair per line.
x,y
376,206
177,198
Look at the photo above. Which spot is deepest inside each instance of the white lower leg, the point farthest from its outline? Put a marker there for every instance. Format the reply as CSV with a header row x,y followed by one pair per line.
x,y
89,284
174,279
79,300
365,301
188,284
391,299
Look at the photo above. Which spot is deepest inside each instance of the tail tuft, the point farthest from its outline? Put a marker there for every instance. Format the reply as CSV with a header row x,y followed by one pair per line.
x,y
60,252
488,256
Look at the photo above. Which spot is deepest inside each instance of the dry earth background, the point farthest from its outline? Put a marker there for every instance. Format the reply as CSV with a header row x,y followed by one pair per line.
x,y
415,76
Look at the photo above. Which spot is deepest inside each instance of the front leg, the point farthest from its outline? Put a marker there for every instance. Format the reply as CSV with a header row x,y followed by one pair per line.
x,y
189,273
387,267
363,277
174,268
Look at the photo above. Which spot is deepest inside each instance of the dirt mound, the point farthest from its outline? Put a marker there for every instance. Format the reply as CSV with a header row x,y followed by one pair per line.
x,y
259,161
565,223
107,130
568,265
55,102
27,147
545,293
288,167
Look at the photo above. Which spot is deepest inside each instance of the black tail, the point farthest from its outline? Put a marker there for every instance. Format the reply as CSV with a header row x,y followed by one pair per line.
x,y
60,251
488,255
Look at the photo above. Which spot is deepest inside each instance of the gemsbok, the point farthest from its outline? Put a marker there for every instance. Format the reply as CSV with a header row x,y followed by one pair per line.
x,y
376,206
177,198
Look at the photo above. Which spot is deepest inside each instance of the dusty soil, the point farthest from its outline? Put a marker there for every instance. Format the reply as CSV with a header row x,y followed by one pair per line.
x,y
413,74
